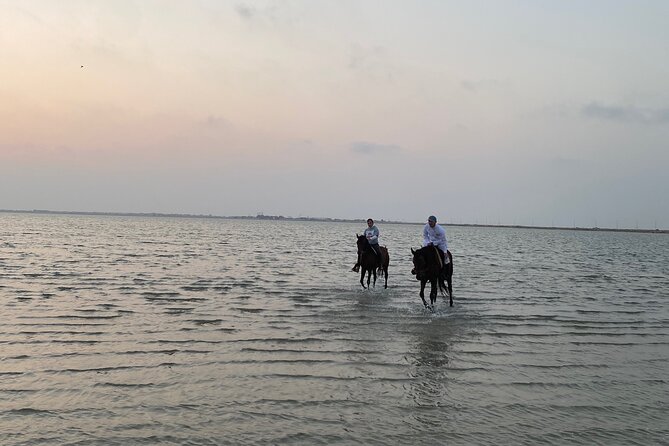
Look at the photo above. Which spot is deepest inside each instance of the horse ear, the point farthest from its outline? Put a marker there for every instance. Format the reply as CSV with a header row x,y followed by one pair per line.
x,y
356,234
412,251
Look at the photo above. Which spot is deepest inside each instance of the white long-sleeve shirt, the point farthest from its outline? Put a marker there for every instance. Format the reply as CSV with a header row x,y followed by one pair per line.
x,y
436,236
372,235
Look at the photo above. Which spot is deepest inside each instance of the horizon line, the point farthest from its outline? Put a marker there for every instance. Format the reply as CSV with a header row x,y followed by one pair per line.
x,y
261,216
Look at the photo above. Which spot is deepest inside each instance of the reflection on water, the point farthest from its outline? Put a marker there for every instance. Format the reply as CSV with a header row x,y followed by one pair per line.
x,y
208,331
428,386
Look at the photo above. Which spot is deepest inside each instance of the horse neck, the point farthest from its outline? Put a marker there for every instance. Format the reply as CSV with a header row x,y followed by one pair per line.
x,y
369,256
429,254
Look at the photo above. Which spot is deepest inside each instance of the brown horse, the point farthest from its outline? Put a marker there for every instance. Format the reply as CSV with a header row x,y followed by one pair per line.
x,y
428,265
369,263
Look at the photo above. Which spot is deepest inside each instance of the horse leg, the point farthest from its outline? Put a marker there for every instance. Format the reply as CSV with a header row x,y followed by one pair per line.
x,y
433,291
385,274
374,272
449,277
422,292
362,277
449,282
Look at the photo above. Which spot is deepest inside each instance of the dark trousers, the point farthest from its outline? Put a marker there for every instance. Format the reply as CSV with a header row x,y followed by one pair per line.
x,y
377,250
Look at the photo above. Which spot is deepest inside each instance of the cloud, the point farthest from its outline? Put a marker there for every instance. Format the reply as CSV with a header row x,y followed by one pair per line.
x,y
629,114
215,122
370,148
373,63
23,13
245,11
364,58
274,14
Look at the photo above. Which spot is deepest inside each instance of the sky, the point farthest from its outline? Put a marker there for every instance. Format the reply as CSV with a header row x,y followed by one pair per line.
x,y
525,112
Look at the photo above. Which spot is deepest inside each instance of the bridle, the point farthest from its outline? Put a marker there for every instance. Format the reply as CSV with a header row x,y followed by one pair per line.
x,y
419,255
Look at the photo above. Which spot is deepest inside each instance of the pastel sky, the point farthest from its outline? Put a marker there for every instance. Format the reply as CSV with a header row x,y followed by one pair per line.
x,y
517,112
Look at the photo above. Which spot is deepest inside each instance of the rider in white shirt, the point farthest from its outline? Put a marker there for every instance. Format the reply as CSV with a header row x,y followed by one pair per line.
x,y
435,235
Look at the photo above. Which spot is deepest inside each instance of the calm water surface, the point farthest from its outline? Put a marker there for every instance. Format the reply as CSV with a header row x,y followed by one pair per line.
x,y
133,330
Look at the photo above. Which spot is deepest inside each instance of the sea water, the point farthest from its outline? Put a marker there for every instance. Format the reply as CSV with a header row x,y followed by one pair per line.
x,y
131,330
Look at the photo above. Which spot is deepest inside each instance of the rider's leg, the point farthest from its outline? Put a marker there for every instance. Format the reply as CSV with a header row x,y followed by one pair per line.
x,y
377,251
442,259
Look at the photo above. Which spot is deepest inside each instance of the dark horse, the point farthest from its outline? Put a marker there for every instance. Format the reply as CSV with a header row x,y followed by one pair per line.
x,y
369,263
427,265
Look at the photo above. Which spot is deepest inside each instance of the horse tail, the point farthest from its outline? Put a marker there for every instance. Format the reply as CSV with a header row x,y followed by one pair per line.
x,y
381,270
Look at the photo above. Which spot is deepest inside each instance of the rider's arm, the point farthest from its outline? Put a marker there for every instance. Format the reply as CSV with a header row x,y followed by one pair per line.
x,y
442,239
426,236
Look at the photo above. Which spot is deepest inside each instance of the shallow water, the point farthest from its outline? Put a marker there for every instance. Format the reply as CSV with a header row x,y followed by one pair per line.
x,y
128,330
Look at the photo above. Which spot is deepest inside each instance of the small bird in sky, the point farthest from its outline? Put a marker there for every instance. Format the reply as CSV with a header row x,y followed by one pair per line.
x,y
82,66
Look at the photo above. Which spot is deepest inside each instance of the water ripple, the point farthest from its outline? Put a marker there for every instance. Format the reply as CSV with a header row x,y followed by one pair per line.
x,y
207,331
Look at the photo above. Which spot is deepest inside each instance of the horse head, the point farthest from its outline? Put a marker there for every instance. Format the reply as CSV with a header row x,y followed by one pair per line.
x,y
419,263
362,243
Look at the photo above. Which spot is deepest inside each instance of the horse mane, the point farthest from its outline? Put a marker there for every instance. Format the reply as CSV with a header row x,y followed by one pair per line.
x,y
362,239
426,252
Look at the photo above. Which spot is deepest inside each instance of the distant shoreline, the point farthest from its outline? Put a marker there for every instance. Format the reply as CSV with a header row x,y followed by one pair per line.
x,y
323,219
